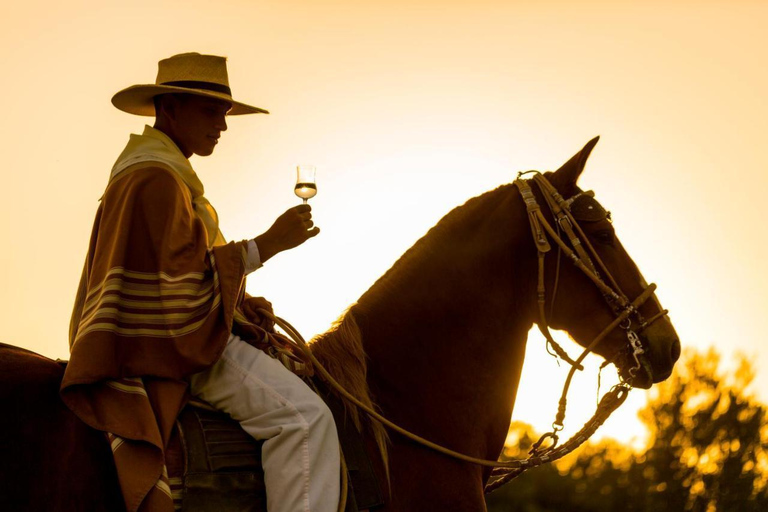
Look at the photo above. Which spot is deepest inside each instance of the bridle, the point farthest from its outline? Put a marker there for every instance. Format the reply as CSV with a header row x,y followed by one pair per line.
x,y
584,256
580,256
616,299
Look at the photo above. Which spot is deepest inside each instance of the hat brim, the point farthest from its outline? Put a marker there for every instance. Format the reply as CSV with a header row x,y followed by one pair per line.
x,y
139,99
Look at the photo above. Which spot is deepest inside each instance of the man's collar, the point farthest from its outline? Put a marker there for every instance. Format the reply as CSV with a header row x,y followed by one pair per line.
x,y
150,131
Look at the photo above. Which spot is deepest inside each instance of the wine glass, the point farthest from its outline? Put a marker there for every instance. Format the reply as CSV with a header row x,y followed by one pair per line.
x,y
305,182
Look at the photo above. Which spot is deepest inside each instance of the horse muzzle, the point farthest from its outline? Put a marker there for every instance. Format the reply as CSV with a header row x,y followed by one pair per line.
x,y
655,364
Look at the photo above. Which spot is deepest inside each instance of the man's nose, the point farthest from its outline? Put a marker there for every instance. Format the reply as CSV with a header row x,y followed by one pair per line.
x,y
221,124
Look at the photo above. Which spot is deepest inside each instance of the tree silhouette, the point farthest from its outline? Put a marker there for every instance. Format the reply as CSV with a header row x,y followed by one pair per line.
x,y
707,452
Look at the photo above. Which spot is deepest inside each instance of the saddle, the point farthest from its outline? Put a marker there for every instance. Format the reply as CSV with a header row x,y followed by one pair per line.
x,y
215,466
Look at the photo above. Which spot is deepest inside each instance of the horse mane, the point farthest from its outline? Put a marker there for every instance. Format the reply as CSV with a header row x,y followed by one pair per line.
x,y
437,242
340,351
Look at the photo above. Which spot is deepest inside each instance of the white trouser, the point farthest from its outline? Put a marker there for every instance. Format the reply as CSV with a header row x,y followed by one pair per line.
x,y
300,454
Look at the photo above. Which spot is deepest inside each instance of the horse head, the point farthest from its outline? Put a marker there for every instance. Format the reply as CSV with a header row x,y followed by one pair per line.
x,y
578,305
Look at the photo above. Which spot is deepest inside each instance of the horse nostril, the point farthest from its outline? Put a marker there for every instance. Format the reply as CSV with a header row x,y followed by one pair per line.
x,y
675,350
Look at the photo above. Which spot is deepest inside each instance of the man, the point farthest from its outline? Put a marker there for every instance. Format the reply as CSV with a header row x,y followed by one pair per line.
x,y
161,293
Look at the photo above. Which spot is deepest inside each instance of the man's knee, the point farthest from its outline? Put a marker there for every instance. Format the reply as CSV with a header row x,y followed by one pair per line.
x,y
318,415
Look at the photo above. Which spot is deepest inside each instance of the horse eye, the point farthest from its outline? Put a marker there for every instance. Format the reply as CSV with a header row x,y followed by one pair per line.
x,y
604,237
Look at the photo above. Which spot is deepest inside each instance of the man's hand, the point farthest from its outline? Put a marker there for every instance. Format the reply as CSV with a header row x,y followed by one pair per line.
x,y
291,229
250,306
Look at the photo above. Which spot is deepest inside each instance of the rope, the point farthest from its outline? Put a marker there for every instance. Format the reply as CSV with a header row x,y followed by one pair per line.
x,y
344,483
513,464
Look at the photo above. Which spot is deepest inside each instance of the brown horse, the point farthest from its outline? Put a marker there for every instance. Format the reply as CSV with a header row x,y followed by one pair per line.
x,y
444,334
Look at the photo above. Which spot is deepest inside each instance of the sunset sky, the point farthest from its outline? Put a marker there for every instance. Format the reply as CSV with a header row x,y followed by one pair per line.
x,y
408,108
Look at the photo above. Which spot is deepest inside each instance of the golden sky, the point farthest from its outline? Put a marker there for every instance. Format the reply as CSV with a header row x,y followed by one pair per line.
x,y
407,108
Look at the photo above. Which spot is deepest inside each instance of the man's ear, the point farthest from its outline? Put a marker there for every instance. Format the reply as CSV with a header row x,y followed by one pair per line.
x,y
166,106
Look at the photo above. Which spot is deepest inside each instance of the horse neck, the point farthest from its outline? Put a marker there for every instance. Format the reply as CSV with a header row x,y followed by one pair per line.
x,y
445,328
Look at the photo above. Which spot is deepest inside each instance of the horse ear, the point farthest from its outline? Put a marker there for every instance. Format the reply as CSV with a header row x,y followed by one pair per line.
x,y
567,175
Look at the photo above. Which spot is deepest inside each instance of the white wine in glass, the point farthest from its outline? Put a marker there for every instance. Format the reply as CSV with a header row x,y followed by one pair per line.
x,y
305,182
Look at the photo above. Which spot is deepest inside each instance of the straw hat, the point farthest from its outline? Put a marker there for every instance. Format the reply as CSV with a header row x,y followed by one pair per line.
x,y
189,73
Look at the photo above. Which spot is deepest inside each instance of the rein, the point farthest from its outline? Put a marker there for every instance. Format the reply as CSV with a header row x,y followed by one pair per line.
x,y
624,309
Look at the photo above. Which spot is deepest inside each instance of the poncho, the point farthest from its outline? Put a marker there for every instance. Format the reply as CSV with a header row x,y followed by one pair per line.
x,y
156,303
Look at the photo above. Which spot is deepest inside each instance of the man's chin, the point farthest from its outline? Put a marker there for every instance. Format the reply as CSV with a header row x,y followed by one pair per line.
x,y
205,151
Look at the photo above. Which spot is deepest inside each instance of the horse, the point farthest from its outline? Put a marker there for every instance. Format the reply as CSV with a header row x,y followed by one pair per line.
x,y
441,337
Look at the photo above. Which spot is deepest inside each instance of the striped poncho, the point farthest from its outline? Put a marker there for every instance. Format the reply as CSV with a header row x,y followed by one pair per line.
x,y
155,305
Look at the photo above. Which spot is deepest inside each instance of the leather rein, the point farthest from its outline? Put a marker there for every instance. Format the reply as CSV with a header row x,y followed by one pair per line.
x,y
624,310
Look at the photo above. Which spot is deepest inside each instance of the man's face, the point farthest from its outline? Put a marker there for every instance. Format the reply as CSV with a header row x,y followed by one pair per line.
x,y
198,123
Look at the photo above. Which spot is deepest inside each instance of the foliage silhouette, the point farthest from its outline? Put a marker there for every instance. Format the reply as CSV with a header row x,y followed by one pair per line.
x,y
707,452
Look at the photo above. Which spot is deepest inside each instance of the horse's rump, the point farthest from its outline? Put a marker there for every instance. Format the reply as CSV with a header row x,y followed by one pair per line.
x,y
49,459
